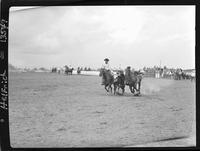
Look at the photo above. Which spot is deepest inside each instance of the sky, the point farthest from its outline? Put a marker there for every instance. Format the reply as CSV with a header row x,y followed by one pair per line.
x,y
135,36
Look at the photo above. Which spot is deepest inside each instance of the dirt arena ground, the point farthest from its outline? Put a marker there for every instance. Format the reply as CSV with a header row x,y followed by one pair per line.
x,y
52,110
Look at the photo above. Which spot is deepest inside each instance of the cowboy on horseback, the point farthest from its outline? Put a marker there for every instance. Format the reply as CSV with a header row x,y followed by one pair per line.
x,y
128,77
133,80
106,67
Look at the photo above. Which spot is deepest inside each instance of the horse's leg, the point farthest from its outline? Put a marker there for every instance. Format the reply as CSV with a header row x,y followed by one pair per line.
x,y
106,88
135,87
123,89
139,84
110,88
115,87
130,87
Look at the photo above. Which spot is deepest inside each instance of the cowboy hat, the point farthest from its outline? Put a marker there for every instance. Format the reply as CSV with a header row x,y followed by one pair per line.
x,y
106,59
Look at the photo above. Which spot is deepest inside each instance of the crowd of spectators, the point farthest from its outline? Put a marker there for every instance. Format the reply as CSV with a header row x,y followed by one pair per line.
x,y
154,72
159,72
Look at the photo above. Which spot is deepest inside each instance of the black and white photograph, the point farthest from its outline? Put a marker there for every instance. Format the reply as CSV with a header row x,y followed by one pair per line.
x,y
102,76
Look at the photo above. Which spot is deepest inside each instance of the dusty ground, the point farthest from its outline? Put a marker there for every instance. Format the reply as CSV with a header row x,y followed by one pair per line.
x,y
51,110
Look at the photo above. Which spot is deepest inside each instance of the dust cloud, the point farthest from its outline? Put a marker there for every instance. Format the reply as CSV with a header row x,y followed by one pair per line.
x,y
155,85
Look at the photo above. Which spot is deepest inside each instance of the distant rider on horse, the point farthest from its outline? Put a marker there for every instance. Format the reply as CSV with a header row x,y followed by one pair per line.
x,y
107,68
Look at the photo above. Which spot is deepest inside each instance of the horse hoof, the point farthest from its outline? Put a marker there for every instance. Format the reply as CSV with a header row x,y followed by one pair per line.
x,y
138,94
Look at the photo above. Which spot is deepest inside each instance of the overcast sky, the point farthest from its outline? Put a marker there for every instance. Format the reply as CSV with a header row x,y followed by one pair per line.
x,y
135,36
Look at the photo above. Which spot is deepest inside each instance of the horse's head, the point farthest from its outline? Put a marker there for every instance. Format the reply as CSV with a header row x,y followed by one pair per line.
x,y
120,73
101,72
120,78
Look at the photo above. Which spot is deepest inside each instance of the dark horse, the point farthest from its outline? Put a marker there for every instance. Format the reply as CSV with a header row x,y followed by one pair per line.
x,y
133,80
109,79
119,82
79,70
54,70
68,70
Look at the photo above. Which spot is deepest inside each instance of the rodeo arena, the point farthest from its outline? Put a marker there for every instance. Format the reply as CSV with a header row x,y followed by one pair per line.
x,y
105,107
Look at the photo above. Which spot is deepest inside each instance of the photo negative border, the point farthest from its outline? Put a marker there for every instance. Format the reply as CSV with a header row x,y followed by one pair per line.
x,y
4,17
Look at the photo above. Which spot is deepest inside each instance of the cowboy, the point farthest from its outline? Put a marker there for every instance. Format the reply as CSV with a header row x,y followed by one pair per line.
x,y
106,66
128,76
